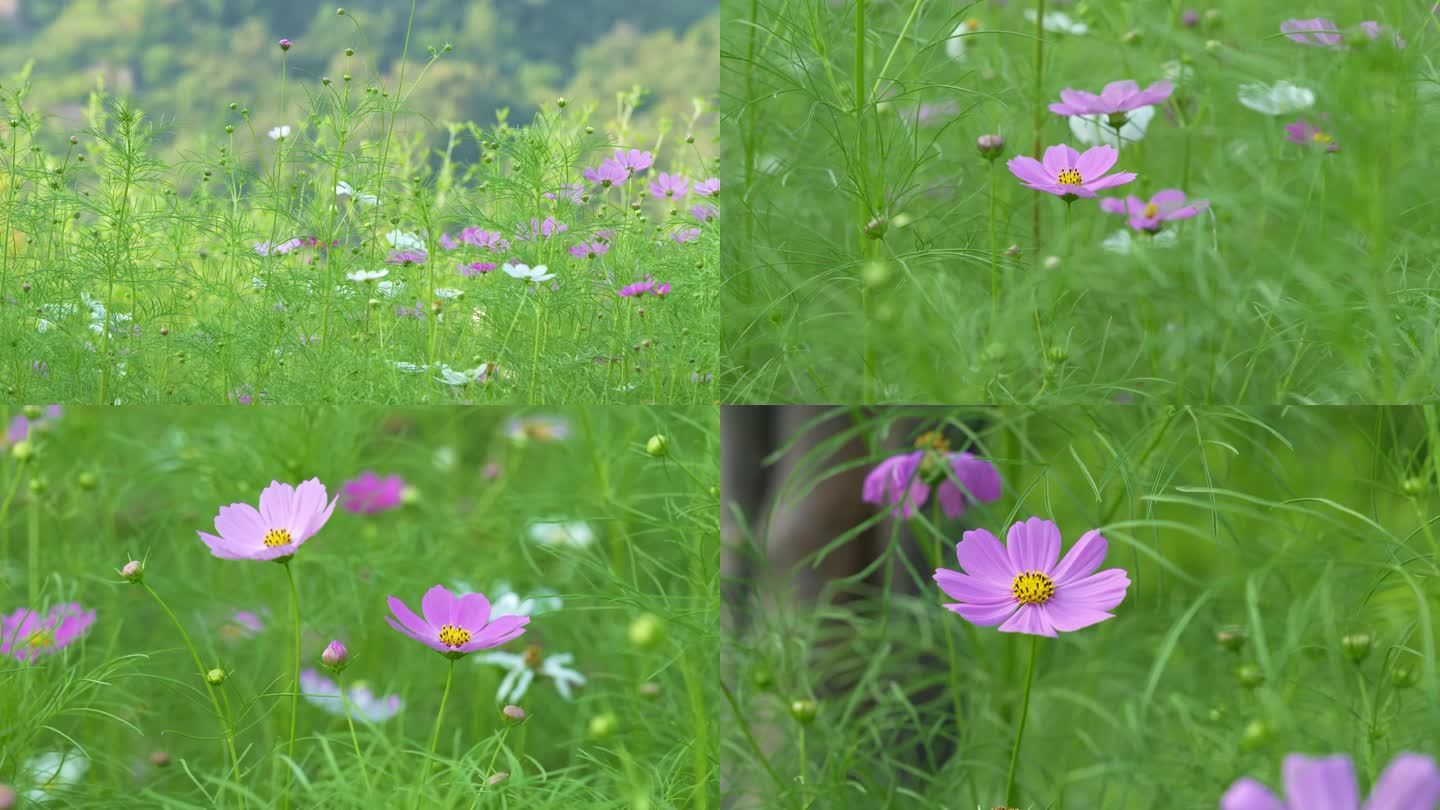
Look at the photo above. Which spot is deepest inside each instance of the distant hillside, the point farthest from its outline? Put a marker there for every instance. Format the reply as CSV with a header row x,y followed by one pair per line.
x,y
185,60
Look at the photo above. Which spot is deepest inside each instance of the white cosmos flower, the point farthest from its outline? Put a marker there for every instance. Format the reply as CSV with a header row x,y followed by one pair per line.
x,y
325,693
1282,98
576,533
367,275
390,289
506,602
528,273
405,240
1123,242
410,368
955,46
1177,71
448,293
51,773
450,376
523,669
1094,130
344,189
282,131
1058,22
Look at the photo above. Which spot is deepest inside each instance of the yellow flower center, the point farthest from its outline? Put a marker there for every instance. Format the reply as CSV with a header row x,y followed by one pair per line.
x,y
972,24
539,432
452,636
933,440
41,638
1033,588
1151,210
1322,137
277,537
1069,177
533,658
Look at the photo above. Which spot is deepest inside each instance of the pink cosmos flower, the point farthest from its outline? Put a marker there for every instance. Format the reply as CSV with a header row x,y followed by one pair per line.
x,y
668,186
607,174
704,212
661,290
634,160
475,268
570,192
904,482
710,187
243,624
267,249
448,242
455,625
325,694
370,494
407,257
1117,98
1165,206
1020,587
589,250
1068,174
26,634
21,427
1409,782
1318,31
1303,132
491,240
287,517
548,228
685,235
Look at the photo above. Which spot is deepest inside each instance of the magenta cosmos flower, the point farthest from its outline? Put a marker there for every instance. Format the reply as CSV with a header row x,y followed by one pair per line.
x,y
1307,134
1410,782
1165,206
1020,586
287,517
1068,174
669,186
455,625
26,634
904,482
1116,99
370,493
21,426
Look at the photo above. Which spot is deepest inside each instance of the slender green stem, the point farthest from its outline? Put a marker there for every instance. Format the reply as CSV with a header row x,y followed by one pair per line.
x,y
804,800
295,684
1035,100
32,534
1020,729
994,256
435,734
862,167
209,687
490,769
355,741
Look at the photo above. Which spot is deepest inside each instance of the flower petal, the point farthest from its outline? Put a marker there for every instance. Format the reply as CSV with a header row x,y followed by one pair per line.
x,y
439,606
1033,545
1321,783
986,615
1109,181
1096,161
964,588
981,556
1082,559
277,504
407,617
1409,782
473,611
1029,169
1031,620
1102,591
1247,794
1058,158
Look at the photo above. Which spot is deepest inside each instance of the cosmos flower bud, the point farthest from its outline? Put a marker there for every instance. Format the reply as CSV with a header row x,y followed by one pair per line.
x,y
876,228
215,677
650,690
875,274
409,496
645,631
285,44
1231,638
1356,646
1012,252
7,797
1212,18
133,571
995,352
497,778
1058,354
658,446
603,725
513,714
990,146
22,450
1052,262
335,656
1412,485
159,759
560,102
1131,37
1250,676
1403,677
1254,735
763,680
87,480
32,411
1190,18
804,711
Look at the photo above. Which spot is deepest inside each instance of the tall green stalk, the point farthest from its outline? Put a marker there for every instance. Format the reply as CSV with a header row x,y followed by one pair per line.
x,y
1010,798
1035,101
295,683
354,740
867,245
434,734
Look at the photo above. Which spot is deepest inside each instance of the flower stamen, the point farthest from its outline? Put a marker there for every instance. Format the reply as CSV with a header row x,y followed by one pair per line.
x,y
1069,177
278,537
1151,210
41,638
1033,588
453,636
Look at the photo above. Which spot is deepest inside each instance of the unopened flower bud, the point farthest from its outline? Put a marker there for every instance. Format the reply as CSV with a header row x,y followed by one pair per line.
x,y
1356,646
7,797
560,102
335,656
1190,18
990,146
215,677
658,446
1131,37
875,274
1254,735
650,690
1412,485
86,480
603,725
1403,677
645,630
32,411
1250,676
410,495
1058,354
22,450
133,571
1052,262
285,44
497,778
875,228
763,679
1231,638
804,711
1214,45
513,714
1012,252
1213,18
159,759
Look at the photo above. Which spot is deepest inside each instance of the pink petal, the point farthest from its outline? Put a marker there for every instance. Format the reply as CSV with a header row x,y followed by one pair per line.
x,y
964,588
429,641
1102,591
1113,205
986,615
1059,158
1067,618
413,623
1029,170
1066,109
1033,545
1096,161
438,606
982,556
1168,199
1247,794
223,548
1030,619
277,506
503,629
1321,783
473,612
1109,181
1082,559
1409,781
1116,92
240,524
